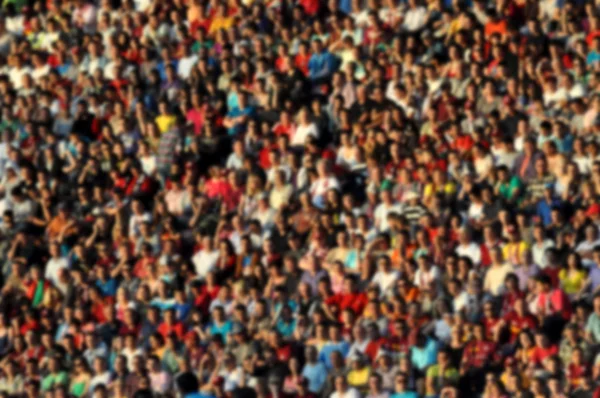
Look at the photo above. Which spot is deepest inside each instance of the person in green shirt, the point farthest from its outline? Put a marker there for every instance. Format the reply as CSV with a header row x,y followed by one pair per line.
x,y
56,376
440,374
509,188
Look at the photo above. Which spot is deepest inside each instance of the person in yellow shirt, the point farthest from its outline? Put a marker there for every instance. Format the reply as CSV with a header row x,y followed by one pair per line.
x,y
164,120
439,185
515,247
220,21
358,376
573,278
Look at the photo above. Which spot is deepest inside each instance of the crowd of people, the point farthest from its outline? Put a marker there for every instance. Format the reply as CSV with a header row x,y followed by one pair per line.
x,y
300,199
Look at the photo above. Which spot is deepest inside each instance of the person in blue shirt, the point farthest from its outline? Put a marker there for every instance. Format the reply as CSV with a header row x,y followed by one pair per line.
x,y
321,64
335,343
107,285
220,324
314,371
424,353
286,324
165,61
594,55
401,387
547,204
181,306
237,118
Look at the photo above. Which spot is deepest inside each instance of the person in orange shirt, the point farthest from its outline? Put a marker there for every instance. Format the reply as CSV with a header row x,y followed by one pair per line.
x,y
496,24
221,20
407,290
61,225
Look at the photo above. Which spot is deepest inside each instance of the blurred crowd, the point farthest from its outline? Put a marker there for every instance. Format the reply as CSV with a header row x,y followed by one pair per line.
x,y
300,199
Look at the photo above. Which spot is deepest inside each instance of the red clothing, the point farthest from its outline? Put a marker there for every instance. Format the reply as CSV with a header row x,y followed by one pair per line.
x,y
540,353
97,310
552,273
142,266
176,328
355,301
281,129
477,354
202,300
555,302
36,352
301,62
442,108
486,248
397,344
517,323
509,300
489,324
215,188
373,348
577,372
27,326
284,353
139,184
462,143
196,117
125,330
311,7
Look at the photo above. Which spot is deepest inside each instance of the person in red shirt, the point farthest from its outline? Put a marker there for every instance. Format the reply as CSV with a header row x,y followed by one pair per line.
x,y
302,58
478,355
462,143
375,341
517,320
553,307
201,297
170,325
578,369
285,126
512,293
283,351
490,321
348,298
543,348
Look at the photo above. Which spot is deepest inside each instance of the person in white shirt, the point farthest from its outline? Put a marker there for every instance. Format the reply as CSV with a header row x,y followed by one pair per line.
x,y
186,63
382,210
426,274
495,275
101,373
235,160
458,294
277,166
324,182
206,258
586,248
55,264
360,341
385,278
304,129
539,247
467,248
17,71
342,390
415,17
138,217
